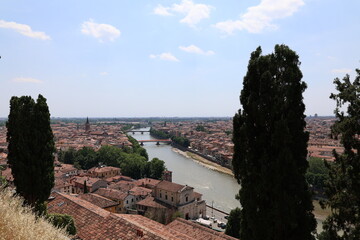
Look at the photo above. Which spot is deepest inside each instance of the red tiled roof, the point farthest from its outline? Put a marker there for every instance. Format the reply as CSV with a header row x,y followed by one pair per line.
x,y
150,202
89,180
123,186
140,191
172,187
197,231
112,194
95,223
147,182
103,169
98,200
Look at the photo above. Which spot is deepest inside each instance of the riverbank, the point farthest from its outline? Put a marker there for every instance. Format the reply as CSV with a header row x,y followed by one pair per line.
x,y
204,162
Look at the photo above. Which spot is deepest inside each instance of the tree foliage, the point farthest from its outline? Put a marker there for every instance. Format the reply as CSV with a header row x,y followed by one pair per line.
x,y
200,128
233,223
317,173
31,148
156,168
270,149
133,161
63,221
343,187
182,141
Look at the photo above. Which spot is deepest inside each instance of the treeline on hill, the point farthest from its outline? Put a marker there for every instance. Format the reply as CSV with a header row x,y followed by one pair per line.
x,y
182,141
132,161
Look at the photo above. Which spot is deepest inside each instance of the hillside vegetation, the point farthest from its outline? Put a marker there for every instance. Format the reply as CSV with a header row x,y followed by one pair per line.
x,y
18,222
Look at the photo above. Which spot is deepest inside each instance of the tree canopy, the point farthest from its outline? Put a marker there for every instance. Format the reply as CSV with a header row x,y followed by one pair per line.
x,y
233,223
270,150
31,148
343,187
132,161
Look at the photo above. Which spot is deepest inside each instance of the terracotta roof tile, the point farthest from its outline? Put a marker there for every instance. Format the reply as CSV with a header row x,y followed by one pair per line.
x,y
197,231
150,201
98,200
112,194
172,187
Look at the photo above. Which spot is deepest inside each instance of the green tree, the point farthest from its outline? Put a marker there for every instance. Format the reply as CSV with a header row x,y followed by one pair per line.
x,y
63,221
31,148
68,156
86,158
85,187
109,155
270,149
156,168
133,166
200,128
343,187
317,173
233,223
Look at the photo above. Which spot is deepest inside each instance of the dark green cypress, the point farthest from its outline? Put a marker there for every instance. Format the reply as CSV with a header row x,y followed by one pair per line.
x,y
271,148
343,187
233,223
31,148
85,187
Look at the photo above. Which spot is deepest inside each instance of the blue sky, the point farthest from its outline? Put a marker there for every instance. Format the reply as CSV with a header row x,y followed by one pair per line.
x,y
127,58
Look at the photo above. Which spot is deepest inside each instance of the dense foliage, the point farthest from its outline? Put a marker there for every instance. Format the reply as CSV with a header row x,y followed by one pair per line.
x,y
343,187
317,174
233,223
182,141
63,221
270,149
31,148
159,134
132,161
200,128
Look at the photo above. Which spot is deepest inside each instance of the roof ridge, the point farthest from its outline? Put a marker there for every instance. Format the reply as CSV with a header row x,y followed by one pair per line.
x,y
93,208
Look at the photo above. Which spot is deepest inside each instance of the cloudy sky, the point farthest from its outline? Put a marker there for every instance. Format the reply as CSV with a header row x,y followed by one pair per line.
x,y
126,58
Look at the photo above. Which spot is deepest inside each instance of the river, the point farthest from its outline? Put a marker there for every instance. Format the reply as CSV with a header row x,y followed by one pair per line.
x,y
217,188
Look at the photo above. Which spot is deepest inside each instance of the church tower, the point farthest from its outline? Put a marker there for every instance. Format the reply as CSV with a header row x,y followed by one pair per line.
x,y
87,125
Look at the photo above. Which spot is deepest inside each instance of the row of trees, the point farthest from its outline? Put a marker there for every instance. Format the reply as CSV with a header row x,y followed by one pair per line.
x,y
270,150
132,161
182,141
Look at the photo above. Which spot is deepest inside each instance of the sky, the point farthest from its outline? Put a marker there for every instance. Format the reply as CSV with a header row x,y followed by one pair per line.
x,y
167,58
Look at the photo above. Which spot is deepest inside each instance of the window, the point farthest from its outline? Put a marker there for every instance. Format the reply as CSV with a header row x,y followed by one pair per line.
x,y
165,197
172,199
187,198
160,195
127,201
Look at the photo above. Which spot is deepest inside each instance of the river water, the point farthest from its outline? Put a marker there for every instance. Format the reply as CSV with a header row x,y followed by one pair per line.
x,y
217,188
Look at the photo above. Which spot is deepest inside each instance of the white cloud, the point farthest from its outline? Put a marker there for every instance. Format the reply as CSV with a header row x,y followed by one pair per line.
x,y
197,50
261,17
161,10
101,31
341,70
104,73
24,30
27,80
165,56
193,12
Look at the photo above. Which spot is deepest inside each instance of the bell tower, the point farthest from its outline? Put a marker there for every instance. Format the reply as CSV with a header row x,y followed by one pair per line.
x,y
87,125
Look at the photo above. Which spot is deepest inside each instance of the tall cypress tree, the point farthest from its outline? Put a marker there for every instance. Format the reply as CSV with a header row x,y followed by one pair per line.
x,y
343,187
31,147
270,149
